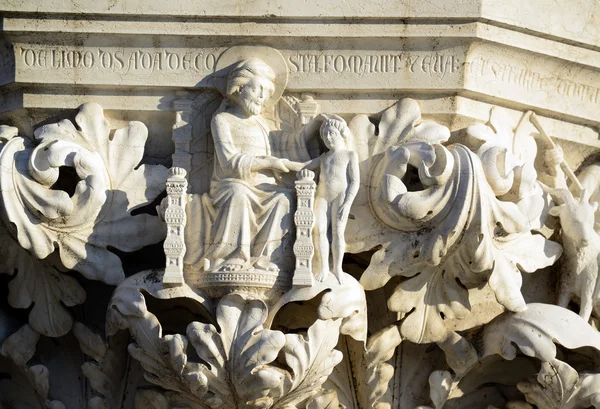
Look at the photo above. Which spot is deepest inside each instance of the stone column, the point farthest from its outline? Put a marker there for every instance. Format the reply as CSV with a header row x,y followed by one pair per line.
x,y
175,218
304,218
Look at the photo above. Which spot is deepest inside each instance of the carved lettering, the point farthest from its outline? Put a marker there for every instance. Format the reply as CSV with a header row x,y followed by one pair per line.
x,y
147,61
120,60
533,81
431,64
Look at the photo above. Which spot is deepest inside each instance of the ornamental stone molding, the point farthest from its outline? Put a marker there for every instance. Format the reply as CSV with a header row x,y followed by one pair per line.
x,y
299,205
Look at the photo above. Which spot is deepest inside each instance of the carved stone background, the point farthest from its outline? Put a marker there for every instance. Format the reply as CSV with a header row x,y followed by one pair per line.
x,y
471,245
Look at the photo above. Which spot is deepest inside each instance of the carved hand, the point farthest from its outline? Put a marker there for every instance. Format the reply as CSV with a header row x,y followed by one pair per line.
x,y
280,165
343,212
553,159
270,162
293,166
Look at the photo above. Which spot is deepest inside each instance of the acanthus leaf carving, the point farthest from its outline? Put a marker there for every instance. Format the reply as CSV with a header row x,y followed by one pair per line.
x,y
20,348
239,353
534,332
243,363
373,382
559,386
164,358
448,236
324,400
111,183
347,302
38,284
150,399
311,359
105,372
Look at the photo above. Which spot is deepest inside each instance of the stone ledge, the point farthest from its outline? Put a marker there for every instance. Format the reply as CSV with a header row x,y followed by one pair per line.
x,y
579,19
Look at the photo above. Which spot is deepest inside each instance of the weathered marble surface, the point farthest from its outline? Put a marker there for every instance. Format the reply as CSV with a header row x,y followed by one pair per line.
x,y
179,181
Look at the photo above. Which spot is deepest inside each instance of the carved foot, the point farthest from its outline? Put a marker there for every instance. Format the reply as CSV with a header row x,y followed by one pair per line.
x,y
265,264
322,276
232,265
340,276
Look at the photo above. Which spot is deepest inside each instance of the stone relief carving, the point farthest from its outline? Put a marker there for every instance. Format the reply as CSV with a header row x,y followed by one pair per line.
x,y
274,266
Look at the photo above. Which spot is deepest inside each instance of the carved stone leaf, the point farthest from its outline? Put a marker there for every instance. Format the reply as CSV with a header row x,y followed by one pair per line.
x,y
311,358
20,348
559,386
152,351
432,296
105,373
440,383
438,222
497,151
150,399
37,284
397,125
98,214
340,380
240,352
164,358
373,381
324,400
535,330
47,289
128,299
90,343
346,301
349,303
465,239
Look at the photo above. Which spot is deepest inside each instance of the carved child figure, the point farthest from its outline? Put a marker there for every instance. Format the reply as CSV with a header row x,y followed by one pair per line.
x,y
338,184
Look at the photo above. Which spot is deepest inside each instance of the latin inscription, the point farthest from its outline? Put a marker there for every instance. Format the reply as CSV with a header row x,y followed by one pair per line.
x,y
534,81
120,61
127,61
437,64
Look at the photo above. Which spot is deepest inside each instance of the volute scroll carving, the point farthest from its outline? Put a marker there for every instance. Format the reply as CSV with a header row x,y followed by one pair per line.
x,y
79,213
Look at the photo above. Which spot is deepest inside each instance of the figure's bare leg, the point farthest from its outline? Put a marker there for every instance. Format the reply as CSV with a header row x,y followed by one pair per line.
x,y
338,242
564,297
564,291
587,303
322,243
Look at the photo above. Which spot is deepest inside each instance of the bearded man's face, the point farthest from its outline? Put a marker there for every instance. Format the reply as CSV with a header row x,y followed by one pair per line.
x,y
254,94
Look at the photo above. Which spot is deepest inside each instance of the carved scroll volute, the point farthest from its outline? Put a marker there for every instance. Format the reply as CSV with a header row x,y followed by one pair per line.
x,y
110,184
439,224
175,218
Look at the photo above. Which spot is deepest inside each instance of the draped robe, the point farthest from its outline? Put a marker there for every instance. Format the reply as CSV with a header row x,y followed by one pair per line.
x,y
246,214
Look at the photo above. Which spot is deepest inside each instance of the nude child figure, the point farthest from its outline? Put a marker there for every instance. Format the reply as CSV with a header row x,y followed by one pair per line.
x,y
338,184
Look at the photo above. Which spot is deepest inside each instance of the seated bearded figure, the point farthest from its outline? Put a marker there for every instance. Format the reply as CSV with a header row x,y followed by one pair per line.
x,y
249,206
